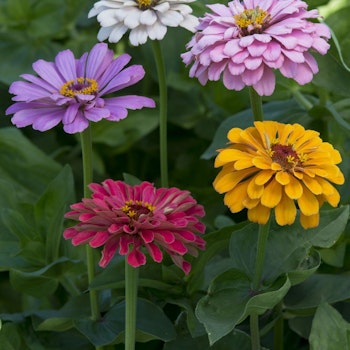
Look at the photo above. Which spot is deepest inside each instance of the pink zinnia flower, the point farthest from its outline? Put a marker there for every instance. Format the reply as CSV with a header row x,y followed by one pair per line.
x,y
72,91
129,218
246,40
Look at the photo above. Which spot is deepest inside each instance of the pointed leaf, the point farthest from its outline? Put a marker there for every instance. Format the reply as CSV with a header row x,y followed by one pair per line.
x,y
329,330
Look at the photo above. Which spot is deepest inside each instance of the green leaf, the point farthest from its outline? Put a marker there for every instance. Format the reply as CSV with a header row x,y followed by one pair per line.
x,y
236,340
17,156
329,330
316,289
42,282
212,261
122,135
151,323
230,300
49,211
288,245
56,324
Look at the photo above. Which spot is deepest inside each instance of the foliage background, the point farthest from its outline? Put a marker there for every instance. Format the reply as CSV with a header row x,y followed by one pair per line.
x,y
43,304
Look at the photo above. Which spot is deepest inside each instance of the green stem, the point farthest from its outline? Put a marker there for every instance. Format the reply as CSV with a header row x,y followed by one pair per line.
x,y
86,148
259,265
260,255
256,105
163,99
302,100
131,281
254,331
278,329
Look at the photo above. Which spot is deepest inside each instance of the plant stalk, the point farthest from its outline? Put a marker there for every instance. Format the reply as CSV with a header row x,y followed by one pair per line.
x,y
163,100
86,148
256,105
131,282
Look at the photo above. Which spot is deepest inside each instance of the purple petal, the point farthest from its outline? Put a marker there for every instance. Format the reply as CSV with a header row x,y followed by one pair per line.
x,y
129,101
70,113
114,69
96,114
79,124
125,78
48,72
42,119
27,91
65,63
99,59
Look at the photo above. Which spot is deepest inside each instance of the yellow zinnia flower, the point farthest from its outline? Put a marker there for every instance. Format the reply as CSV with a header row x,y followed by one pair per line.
x,y
275,165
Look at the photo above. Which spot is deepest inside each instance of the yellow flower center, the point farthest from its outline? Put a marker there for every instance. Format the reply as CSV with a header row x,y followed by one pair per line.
x,y
286,156
83,86
145,4
134,209
252,21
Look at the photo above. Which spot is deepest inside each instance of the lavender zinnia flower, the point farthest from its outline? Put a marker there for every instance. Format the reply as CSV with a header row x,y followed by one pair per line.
x,y
246,40
72,91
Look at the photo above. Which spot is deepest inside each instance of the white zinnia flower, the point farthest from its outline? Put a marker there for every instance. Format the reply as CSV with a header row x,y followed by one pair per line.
x,y
144,18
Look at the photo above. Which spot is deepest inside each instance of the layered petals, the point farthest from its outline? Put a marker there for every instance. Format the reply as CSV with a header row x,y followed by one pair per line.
x,y
144,18
280,167
245,41
71,91
134,220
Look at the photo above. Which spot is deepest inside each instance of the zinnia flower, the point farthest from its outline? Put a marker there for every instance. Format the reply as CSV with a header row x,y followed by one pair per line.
x,y
276,166
247,40
72,91
134,219
144,18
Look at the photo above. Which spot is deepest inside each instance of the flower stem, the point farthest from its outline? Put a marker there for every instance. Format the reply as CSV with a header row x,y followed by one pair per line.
x,y
163,99
302,100
278,329
256,105
131,281
86,148
259,264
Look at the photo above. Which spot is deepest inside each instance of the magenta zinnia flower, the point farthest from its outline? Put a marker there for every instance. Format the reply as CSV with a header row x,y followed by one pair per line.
x,y
134,219
72,91
246,40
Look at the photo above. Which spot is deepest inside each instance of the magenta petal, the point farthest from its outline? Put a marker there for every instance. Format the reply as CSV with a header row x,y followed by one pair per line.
x,y
108,252
100,239
83,237
136,258
154,252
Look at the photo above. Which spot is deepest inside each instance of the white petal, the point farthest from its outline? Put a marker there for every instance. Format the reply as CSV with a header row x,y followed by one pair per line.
x,y
157,31
107,18
117,33
171,18
148,17
138,36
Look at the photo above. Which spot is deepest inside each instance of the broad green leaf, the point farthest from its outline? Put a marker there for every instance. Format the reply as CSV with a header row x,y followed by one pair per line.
x,y
23,165
56,324
151,323
236,340
42,282
288,247
49,211
123,134
318,288
212,261
230,300
10,338
329,330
